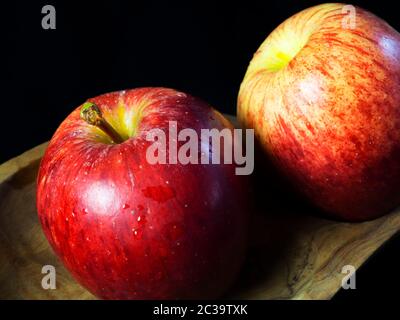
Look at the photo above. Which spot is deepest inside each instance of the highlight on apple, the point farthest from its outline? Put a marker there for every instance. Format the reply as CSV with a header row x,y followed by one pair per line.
x,y
210,143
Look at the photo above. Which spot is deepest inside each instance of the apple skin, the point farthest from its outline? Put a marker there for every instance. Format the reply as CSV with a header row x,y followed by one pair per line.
x,y
324,101
127,229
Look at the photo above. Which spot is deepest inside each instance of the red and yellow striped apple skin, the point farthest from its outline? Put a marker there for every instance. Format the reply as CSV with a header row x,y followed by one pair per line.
x,y
330,118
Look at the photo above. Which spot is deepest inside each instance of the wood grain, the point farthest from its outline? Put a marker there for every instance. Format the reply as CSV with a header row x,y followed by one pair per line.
x,y
23,247
291,255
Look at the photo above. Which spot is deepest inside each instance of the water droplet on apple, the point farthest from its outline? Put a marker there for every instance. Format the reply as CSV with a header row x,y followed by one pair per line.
x,y
126,206
142,220
85,211
137,233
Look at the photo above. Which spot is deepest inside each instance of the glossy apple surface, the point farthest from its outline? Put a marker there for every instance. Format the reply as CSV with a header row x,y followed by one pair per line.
x,y
323,95
127,229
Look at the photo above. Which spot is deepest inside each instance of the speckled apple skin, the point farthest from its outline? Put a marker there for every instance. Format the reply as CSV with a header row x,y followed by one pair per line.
x,y
330,119
127,229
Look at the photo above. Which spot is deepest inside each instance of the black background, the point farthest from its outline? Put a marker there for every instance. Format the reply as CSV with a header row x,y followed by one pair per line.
x,y
101,46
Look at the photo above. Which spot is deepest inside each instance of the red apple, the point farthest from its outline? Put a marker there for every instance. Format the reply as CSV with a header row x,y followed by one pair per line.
x,y
128,229
323,95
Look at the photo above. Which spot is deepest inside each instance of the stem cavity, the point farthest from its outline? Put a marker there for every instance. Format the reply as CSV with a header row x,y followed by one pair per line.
x,y
92,114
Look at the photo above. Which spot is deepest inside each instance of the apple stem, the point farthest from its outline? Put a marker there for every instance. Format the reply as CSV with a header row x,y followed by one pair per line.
x,y
92,114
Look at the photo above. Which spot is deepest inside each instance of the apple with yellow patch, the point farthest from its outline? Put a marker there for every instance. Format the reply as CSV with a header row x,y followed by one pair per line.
x,y
130,229
323,95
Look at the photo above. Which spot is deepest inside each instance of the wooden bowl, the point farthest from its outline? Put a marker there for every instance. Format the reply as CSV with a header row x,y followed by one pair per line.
x,y
301,258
